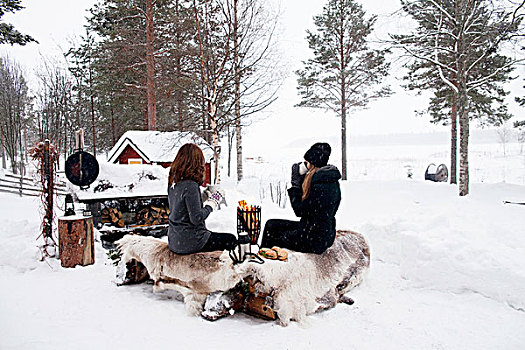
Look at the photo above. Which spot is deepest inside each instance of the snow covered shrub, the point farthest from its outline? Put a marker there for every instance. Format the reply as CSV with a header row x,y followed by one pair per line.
x,y
276,191
103,185
409,170
114,255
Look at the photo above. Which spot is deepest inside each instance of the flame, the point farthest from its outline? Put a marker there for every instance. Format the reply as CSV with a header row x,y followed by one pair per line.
x,y
249,218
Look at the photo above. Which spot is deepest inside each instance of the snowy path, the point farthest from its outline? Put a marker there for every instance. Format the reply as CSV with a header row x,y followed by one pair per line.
x,y
446,273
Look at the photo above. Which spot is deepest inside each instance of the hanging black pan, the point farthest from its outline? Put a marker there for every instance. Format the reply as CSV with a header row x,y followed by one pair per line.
x,y
81,169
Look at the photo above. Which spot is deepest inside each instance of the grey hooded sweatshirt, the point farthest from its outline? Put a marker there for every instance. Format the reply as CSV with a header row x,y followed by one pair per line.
x,y
187,232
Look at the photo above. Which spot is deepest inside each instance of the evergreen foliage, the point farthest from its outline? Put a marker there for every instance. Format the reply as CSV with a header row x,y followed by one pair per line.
x,y
8,33
456,48
138,53
345,73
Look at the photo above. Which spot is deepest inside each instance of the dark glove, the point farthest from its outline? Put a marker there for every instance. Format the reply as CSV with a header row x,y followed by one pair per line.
x,y
297,178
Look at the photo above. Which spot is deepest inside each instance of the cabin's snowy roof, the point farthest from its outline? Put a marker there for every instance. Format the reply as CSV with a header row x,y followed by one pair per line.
x,y
157,146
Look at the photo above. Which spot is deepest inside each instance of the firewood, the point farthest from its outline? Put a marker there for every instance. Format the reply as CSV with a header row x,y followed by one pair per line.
x,y
219,304
105,212
136,272
257,303
120,223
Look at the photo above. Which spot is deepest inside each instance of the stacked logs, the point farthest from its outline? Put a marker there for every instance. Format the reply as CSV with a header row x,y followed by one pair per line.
x,y
152,215
112,216
147,216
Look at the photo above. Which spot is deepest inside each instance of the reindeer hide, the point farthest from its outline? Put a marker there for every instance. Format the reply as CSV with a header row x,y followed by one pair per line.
x,y
301,286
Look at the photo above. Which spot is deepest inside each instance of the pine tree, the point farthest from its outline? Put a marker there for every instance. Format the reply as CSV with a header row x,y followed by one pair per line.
x,y
456,47
8,33
487,105
345,72
196,71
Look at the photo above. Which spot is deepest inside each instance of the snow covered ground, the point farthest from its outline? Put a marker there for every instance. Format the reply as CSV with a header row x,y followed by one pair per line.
x,y
446,272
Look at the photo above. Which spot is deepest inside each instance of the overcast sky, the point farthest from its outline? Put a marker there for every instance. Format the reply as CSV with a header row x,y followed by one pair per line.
x,y
55,23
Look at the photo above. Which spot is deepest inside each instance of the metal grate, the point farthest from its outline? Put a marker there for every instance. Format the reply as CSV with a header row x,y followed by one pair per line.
x,y
249,220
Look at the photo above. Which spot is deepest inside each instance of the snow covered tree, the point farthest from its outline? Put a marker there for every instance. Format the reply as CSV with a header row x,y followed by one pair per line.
x,y
54,106
131,53
8,33
457,51
213,36
14,104
345,72
487,105
238,71
80,60
257,75
520,125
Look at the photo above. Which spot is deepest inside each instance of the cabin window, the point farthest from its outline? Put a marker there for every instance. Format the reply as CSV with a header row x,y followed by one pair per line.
x,y
134,160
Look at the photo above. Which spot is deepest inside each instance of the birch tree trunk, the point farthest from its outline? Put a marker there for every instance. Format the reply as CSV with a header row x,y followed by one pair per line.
x,y
238,128
463,145
453,142
215,140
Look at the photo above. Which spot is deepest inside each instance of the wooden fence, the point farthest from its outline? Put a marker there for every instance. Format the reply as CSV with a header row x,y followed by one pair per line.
x,y
25,186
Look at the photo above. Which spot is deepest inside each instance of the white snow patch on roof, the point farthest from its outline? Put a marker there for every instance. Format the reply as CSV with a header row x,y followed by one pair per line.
x,y
126,181
159,146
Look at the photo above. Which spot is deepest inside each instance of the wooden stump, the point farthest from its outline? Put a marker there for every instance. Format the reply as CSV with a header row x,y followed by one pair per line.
x,y
75,239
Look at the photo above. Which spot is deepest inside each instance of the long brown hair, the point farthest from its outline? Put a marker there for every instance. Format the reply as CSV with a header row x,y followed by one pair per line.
x,y
308,182
187,165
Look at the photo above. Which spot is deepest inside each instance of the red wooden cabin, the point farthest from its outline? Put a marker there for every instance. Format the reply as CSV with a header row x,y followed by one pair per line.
x,y
156,147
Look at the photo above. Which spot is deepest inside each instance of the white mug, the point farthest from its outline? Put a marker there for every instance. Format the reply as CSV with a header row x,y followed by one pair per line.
x,y
302,168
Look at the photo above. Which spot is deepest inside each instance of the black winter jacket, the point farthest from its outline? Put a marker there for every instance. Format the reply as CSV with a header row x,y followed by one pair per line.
x,y
317,212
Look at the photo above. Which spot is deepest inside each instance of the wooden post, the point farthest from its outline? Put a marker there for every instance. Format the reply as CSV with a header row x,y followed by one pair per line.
x,y
75,239
79,140
48,192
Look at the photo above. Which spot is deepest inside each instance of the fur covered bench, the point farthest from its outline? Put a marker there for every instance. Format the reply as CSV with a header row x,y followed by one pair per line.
x,y
213,286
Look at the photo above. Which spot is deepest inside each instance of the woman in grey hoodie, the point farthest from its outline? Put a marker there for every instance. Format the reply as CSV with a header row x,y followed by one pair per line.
x,y
187,232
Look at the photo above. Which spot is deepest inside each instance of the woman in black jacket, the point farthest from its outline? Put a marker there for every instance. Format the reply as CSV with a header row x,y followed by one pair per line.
x,y
315,198
187,232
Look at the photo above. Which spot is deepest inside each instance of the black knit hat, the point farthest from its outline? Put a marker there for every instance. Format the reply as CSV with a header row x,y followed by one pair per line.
x,y
318,154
